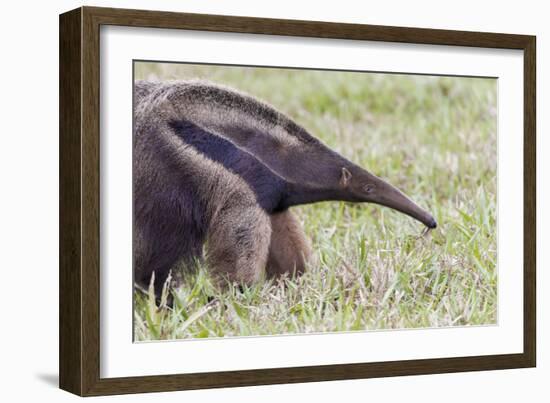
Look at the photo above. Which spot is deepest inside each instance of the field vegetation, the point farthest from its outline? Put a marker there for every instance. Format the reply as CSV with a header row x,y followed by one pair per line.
x,y
432,137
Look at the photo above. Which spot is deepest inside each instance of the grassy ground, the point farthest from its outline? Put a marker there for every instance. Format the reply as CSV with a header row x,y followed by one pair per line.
x,y
435,139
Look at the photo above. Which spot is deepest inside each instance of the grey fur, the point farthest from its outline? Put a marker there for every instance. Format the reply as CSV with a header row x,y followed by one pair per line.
x,y
183,200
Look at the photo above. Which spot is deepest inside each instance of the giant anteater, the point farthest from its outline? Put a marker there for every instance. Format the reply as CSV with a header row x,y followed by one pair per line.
x,y
218,168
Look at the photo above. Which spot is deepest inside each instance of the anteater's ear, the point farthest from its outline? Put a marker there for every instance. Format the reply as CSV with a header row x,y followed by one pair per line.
x,y
346,177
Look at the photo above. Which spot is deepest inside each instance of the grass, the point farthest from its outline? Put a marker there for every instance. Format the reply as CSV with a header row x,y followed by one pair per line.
x,y
435,139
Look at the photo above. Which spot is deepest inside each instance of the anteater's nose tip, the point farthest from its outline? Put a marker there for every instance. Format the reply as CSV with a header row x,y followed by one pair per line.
x,y
432,224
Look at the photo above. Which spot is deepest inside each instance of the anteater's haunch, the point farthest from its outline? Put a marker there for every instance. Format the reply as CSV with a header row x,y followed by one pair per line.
x,y
216,167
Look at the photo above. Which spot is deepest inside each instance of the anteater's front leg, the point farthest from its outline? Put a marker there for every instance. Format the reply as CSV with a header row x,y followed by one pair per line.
x,y
290,248
238,242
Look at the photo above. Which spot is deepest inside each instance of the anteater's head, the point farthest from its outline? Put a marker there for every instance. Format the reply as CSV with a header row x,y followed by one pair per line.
x,y
358,185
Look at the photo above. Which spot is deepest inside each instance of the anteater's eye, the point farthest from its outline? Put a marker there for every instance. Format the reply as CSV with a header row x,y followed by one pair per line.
x,y
369,188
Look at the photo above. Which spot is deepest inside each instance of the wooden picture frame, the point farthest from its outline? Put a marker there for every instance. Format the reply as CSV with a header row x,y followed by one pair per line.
x,y
79,346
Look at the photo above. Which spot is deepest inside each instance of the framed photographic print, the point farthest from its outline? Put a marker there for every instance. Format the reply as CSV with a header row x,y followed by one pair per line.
x,y
249,201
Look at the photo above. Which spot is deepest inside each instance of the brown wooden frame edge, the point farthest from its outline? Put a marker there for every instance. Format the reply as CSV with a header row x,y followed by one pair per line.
x,y
79,200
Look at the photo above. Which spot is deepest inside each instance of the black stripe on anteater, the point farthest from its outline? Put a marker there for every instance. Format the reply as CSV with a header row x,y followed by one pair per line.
x,y
268,187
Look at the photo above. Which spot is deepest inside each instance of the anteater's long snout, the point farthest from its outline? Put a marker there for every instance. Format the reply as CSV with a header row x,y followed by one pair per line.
x,y
389,196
